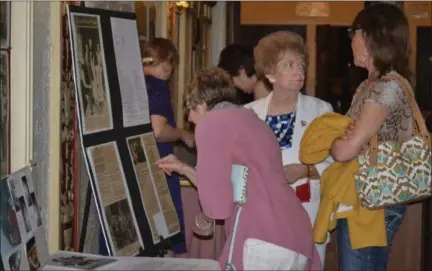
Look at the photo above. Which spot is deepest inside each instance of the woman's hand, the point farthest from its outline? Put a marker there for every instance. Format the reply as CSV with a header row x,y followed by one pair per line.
x,y
188,138
295,172
349,131
169,164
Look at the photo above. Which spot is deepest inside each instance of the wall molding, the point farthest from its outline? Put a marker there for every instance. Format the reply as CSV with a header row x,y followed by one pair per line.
x,y
183,61
54,127
21,83
161,23
218,31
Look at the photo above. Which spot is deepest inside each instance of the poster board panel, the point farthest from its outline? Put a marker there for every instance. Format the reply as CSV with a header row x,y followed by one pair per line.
x,y
125,115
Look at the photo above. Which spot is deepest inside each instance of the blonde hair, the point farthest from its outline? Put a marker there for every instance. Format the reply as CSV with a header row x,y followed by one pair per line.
x,y
210,86
271,48
157,51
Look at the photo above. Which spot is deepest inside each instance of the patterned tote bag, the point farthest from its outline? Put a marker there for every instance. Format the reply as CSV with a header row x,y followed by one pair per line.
x,y
394,172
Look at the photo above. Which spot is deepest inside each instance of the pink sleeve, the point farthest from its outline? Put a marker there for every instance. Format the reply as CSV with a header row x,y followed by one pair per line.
x,y
213,171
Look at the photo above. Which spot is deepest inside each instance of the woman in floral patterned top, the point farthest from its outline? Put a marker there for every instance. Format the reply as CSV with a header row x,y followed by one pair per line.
x,y
380,44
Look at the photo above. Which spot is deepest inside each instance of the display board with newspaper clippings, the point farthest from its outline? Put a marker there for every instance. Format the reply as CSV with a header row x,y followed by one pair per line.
x,y
132,197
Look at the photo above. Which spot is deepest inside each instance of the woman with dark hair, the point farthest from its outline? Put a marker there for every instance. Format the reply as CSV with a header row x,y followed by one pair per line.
x,y
380,44
238,61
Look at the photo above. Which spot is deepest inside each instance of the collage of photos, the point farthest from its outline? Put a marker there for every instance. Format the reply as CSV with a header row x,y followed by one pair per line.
x,y
20,220
113,194
90,72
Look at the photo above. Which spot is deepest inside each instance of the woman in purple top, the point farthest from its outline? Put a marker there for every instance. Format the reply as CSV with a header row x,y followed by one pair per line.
x,y
159,59
227,135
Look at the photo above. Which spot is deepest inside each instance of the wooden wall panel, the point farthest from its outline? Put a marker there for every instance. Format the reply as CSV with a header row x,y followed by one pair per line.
x,y
272,12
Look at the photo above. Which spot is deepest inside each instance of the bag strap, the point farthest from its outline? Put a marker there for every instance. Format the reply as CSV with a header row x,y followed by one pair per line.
x,y
418,123
229,265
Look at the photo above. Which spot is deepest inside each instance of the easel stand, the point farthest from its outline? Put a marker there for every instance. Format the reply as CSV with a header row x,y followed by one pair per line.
x,y
158,250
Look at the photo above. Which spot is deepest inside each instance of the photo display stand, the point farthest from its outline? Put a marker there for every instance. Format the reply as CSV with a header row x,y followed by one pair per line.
x,y
137,214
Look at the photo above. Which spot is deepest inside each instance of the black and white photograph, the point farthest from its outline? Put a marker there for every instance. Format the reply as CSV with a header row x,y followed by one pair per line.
x,y
26,190
90,72
25,214
36,208
14,194
4,24
4,112
32,255
121,224
80,262
15,260
9,223
136,150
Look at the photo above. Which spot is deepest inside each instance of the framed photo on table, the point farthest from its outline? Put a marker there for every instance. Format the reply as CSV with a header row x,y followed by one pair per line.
x,y
4,24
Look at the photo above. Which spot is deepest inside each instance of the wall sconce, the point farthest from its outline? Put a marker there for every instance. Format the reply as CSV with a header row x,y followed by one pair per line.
x,y
180,6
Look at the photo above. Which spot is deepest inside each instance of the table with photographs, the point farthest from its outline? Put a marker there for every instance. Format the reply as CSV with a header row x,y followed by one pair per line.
x,y
24,246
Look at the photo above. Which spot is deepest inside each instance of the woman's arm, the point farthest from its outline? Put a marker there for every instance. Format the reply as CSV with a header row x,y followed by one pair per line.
x,y
384,97
214,165
171,163
295,172
163,131
159,105
367,125
190,173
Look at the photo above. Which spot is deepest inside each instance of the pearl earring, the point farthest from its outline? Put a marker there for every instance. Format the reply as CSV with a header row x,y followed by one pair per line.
x,y
272,80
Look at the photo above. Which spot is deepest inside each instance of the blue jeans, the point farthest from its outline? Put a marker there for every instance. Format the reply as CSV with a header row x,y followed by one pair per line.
x,y
369,258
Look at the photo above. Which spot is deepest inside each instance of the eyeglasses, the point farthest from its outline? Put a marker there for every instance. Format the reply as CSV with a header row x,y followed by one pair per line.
x,y
352,31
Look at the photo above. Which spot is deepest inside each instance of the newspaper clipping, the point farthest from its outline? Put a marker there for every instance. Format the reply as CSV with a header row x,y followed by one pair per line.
x,y
115,199
169,214
148,194
90,70
153,185
130,74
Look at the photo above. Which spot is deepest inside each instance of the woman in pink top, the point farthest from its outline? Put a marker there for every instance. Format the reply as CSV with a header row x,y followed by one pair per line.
x,y
227,135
